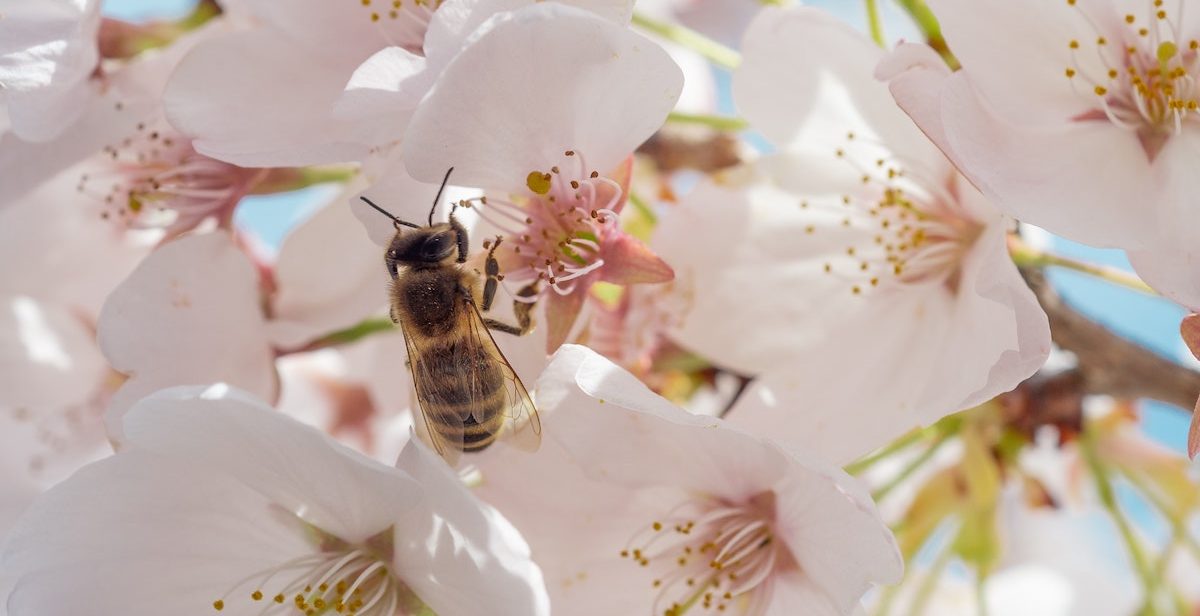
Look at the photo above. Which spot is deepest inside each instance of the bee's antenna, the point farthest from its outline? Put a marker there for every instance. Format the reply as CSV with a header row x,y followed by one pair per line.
x,y
388,214
439,195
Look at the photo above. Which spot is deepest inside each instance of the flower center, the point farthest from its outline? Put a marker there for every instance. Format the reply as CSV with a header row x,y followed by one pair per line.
x,y
154,179
341,579
554,232
708,554
403,22
1141,72
916,232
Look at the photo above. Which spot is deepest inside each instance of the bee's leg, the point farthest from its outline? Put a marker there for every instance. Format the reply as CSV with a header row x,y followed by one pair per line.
x,y
491,269
522,310
464,244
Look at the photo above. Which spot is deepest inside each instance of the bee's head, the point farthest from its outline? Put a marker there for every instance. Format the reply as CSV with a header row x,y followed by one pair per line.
x,y
425,246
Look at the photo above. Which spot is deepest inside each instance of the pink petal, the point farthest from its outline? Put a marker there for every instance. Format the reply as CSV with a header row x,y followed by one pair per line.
x,y
189,314
628,261
1189,330
596,87
561,312
1193,441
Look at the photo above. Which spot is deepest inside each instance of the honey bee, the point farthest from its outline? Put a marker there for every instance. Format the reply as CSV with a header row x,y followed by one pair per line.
x,y
468,392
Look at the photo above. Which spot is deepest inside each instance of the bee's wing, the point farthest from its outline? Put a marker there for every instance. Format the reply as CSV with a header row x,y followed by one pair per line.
x,y
523,427
447,441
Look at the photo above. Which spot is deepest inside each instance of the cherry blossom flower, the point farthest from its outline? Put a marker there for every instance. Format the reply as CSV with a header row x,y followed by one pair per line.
x,y
679,512
241,510
1087,128
288,76
855,254
126,163
48,58
556,175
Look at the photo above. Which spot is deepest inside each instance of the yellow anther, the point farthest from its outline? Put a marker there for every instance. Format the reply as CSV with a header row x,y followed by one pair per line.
x,y
538,182
1101,91
256,595
1073,44
218,605
1129,19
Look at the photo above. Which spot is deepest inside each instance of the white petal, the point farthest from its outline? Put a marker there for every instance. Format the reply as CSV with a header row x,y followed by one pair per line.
x,y
342,32
761,232
459,555
999,329
817,102
620,431
44,229
47,56
926,355
797,594
284,93
575,524
318,294
383,93
189,314
543,80
401,196
297,467
1173,210
1024,82
49,356
457,22
141,534
916,74
1171,273
1076,179
131,95
832,528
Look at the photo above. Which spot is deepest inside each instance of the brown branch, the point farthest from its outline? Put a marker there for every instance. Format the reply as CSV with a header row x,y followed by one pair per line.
x,y
675,148
1110,364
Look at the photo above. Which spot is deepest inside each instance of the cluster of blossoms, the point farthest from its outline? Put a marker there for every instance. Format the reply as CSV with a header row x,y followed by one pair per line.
x,y
764,384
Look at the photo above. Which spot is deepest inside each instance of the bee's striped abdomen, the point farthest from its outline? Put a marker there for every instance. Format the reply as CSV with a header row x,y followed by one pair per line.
x,y
467,397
